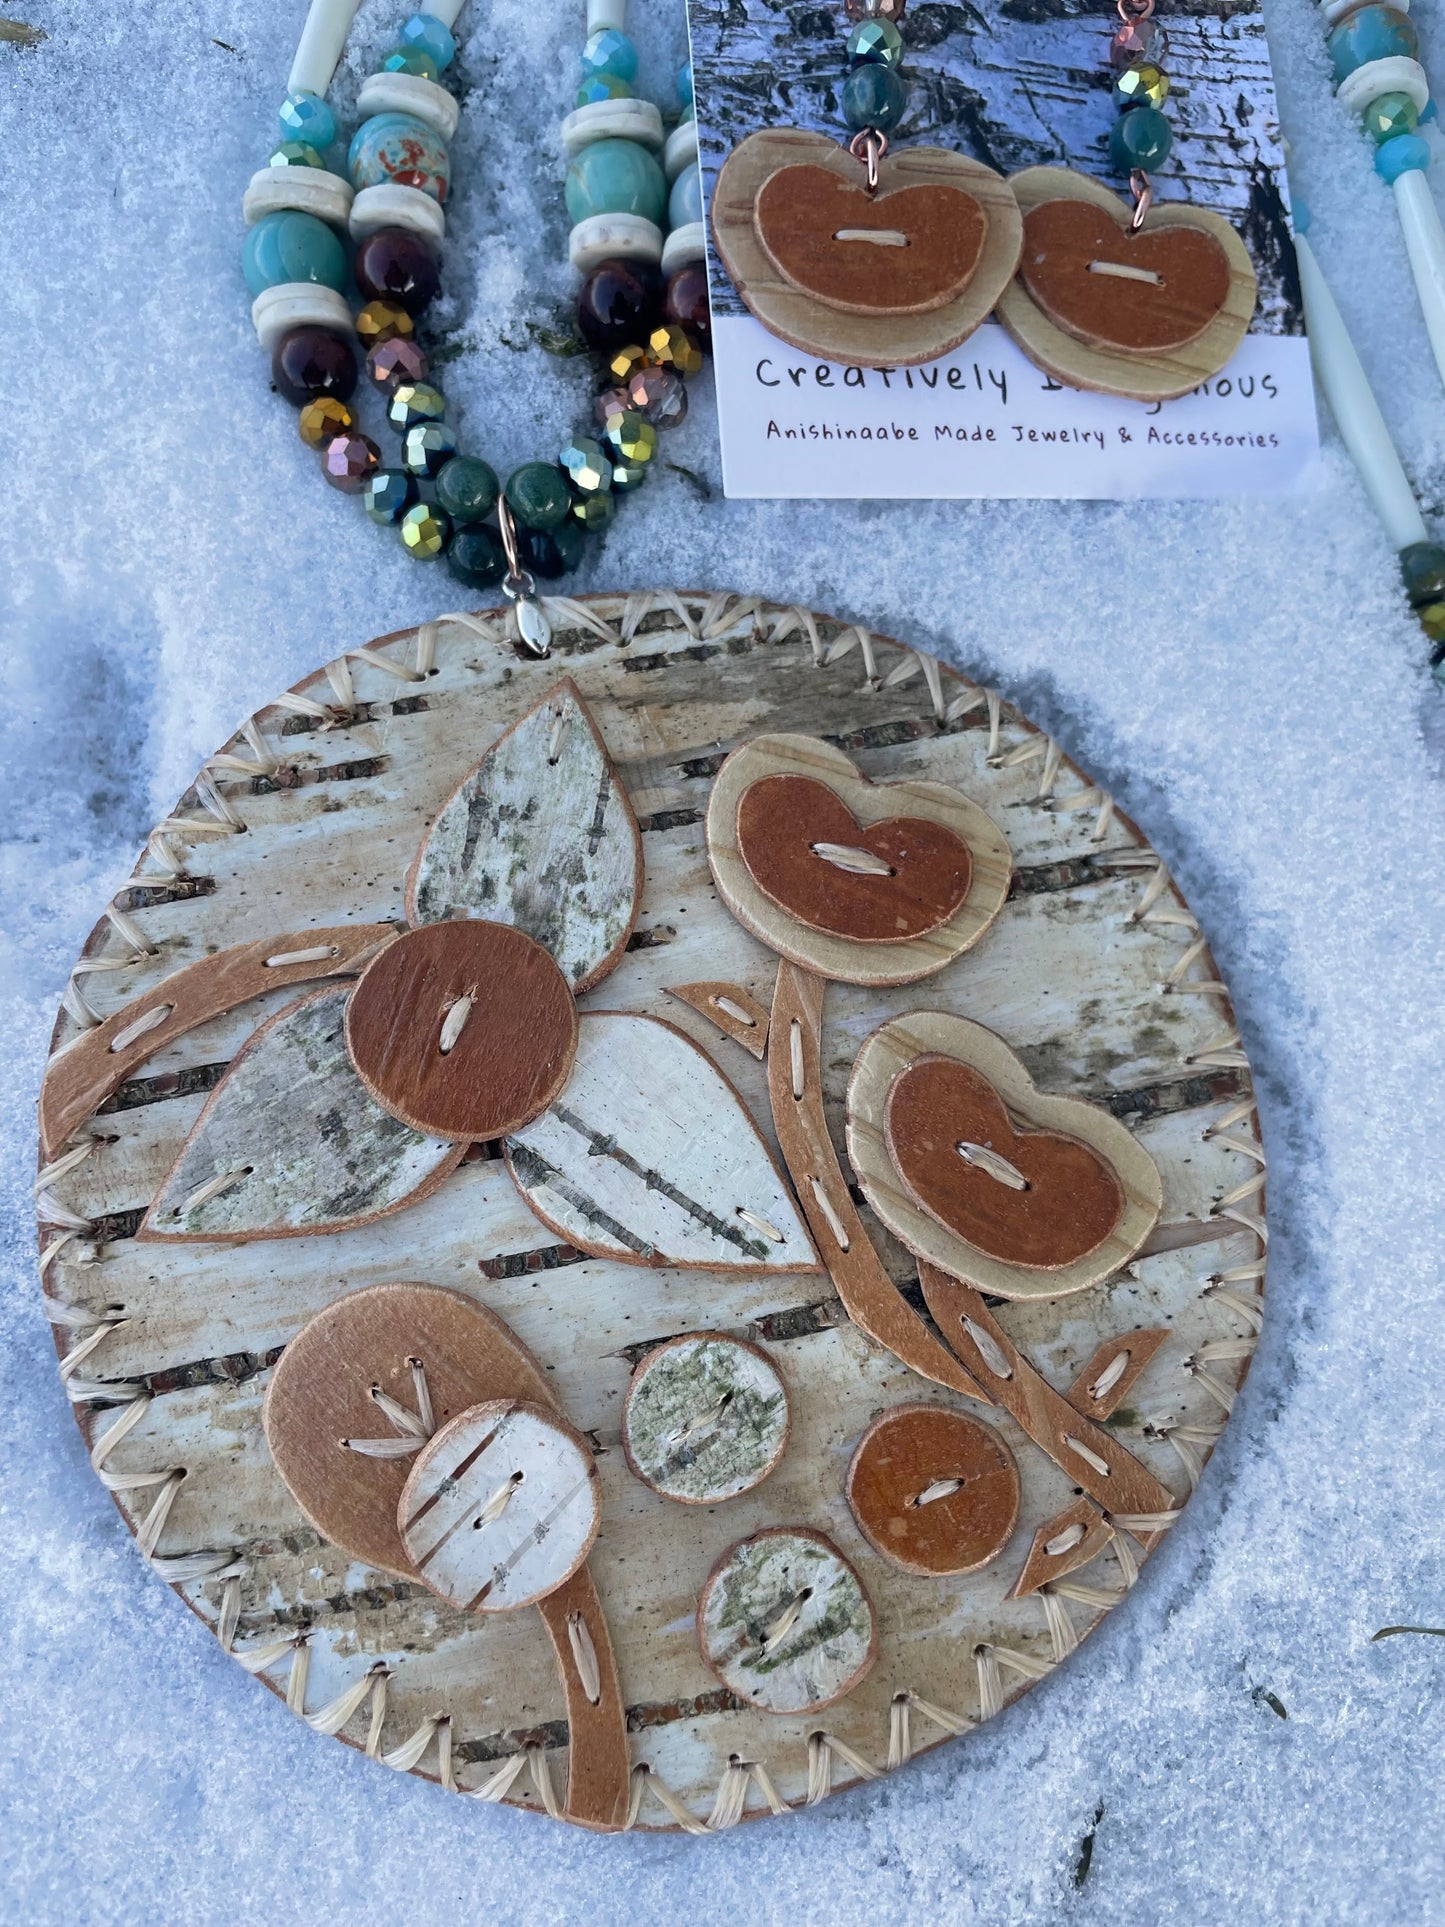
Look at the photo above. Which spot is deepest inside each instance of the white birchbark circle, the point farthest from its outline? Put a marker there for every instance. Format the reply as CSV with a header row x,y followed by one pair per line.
x,y
784,1622
706,1418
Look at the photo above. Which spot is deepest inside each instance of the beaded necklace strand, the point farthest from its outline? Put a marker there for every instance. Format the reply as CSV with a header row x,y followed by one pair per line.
x,y
642,308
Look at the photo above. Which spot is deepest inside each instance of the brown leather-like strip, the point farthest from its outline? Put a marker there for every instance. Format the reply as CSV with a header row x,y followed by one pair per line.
x,y
1140,1346
598,1769
1042,1567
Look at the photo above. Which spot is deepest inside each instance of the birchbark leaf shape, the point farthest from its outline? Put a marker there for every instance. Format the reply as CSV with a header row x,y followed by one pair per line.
x,y
650,1157
541,835
290,1143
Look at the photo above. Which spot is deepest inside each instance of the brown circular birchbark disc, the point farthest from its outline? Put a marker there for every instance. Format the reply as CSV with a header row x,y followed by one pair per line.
x,y
321,1395
510,1057
898,1487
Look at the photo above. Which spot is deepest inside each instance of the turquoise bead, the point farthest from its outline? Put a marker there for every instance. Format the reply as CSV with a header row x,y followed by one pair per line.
x,y
402,149
1140,138
616,177
287,246
1388,115
684,204
1373,33
1402,155
875,40
684,83
306,117
610,52
874,96
410,60
425,31
603,87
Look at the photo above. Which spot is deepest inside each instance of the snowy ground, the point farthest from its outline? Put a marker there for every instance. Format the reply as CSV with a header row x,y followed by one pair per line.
x,y
1246,679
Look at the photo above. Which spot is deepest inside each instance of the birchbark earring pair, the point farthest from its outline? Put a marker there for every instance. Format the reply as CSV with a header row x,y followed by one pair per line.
x,y
865,252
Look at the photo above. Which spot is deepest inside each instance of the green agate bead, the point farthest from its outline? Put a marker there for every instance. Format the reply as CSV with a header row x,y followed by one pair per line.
x,y
1422,566
537,494
467,488
477,558
1141,138
873,96
616,177
553,552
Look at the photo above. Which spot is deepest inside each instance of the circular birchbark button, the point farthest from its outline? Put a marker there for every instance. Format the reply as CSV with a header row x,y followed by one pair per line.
x,y
501,1507
706,1418
355,1394
934,1491
784,1621
464,1029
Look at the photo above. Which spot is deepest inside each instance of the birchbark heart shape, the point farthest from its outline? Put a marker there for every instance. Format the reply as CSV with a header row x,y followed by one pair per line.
x,y
1109,331
776,225
903,252
1049,1268
853,954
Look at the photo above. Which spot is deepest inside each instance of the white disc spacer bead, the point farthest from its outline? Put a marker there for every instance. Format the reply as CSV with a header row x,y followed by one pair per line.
x,y
408,94
602,14
684,246
298,304
1395,75
609,120
303,190
1335,10
393,206
613,237
680,151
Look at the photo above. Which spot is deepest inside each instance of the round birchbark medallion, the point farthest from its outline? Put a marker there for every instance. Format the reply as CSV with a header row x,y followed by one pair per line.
x,y
784,1621
933,1490
706,1418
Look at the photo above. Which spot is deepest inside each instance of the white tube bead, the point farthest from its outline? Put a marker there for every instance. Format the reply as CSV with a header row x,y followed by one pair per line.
x,y
323,40
1425,245
408,94
602,14
609,120
309,190
392,206
684,246
298,304
444,10
681,149
1396,75
611,237
1353,405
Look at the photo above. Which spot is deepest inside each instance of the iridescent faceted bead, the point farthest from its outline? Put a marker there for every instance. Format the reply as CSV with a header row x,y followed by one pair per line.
x,y
322,420
382,321
415,401
617,303
311,361
586,466
659,395
348,459
612,401
426,531
392,362
537,495
875,40
388,494
685,303
1403,154
392,264
1133,41
1142,85
410,60
427,447
306,117
1388,115
874,96
295,154
616,177
875,9
399,149
594,511
623,363
477,558
684,83
1140,138
599,87
627,476
673,347
1422,568
609,51
1431,617
290,246
433,36
633,439
684,203
467,488
1371,33
553,552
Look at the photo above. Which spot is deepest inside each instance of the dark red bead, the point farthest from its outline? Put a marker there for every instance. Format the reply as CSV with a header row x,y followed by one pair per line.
x,y
310,362
685,303
618,302
395,265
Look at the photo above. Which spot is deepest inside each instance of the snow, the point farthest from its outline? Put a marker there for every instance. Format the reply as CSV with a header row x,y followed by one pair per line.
x,y
1247,680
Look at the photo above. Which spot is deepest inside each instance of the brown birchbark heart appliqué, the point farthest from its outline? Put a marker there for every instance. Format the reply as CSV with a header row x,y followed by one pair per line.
x,y
903,252
1146,293
807,852
1069,1201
